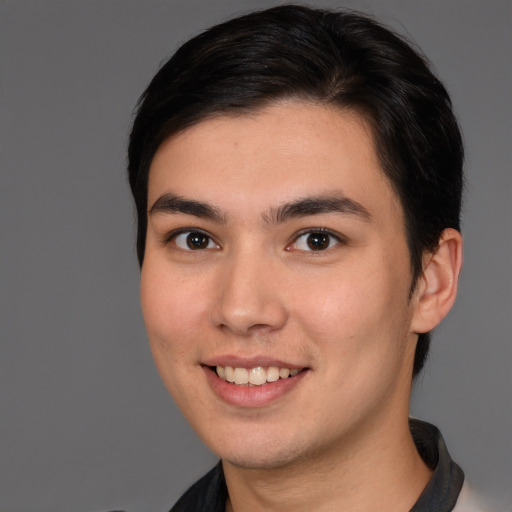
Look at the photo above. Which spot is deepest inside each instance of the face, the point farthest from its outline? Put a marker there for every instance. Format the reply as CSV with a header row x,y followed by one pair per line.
x,y
276,258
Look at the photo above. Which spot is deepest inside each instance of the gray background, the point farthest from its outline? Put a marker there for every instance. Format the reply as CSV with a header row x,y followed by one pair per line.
x,y
85,424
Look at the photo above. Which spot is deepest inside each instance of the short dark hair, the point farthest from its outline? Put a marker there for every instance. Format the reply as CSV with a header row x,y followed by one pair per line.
x,y
344,59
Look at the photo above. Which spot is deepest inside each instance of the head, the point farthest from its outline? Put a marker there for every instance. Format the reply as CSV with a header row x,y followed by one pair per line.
x,y
337,59
297,177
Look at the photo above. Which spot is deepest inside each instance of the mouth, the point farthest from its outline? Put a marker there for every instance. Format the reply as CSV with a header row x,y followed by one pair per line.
x,y
248,384
256,376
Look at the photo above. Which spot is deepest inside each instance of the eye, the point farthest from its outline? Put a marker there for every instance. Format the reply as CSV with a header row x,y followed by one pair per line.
x,y
318,240
193,241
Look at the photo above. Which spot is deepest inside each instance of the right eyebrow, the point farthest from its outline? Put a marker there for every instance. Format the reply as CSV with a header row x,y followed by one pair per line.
x,y
170,203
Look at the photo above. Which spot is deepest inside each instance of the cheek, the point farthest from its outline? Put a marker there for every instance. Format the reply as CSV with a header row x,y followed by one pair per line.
x,y
174,318
334,305
169,303
353,310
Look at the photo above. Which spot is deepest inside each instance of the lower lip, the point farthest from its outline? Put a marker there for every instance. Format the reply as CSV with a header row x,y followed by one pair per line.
x,y
252,396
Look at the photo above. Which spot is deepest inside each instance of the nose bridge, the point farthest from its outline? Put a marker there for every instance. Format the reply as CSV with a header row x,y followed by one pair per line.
x,y
249,298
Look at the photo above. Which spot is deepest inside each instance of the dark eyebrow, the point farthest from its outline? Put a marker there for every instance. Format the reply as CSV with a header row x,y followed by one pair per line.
x,y
337,203
169,203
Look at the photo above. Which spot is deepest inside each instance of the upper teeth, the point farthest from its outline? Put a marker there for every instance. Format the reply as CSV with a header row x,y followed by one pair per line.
x,y
255,376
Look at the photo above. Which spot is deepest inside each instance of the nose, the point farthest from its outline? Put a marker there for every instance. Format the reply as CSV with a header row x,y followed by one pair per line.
x,y
250,299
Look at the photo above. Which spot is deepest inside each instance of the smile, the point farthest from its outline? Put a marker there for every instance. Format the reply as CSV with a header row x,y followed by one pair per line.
x,y
256,376
253,384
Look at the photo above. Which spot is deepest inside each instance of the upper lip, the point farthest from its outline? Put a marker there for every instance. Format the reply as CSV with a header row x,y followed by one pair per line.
x,y
250,362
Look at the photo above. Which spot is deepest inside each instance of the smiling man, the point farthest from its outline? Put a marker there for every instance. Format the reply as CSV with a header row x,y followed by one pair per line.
x,y
297,175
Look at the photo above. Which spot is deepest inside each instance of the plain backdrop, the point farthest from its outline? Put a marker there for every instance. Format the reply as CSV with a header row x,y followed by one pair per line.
x,y
85,424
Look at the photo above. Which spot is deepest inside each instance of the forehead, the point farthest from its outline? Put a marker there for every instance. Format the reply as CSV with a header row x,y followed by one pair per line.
x,y
273,155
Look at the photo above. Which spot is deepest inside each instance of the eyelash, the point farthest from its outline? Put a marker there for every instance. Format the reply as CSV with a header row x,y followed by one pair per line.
x,y
338,239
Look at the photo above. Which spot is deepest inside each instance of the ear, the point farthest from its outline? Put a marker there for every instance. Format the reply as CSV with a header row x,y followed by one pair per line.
x,y
437,287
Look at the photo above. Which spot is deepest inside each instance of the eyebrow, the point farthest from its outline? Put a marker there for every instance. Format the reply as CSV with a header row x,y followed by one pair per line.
x,y
170,203
316,205
333,203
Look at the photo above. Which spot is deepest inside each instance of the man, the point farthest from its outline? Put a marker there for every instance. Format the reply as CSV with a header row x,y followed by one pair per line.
x,y
297,175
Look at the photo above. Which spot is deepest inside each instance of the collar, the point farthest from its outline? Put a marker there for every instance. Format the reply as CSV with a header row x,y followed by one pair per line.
x,y
443,488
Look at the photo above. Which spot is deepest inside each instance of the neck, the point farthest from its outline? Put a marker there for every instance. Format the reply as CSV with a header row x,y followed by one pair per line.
x,y
385,472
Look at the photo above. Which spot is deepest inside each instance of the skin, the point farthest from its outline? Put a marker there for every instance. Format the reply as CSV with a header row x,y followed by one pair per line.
x,y
339,438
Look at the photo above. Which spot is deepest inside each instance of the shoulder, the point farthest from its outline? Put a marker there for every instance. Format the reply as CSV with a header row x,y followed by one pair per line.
x,y
469,501
208,494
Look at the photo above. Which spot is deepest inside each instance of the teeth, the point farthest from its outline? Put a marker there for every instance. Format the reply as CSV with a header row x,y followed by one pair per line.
x,y
230,374
273,374
241,376
284,373
257,376
254,376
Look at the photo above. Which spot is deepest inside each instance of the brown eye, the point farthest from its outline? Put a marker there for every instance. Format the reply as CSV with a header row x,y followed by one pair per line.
x,y
194,241
197,241
315,241
318,241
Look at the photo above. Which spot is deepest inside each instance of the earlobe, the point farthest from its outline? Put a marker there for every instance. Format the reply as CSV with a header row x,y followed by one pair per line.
x,y
437,287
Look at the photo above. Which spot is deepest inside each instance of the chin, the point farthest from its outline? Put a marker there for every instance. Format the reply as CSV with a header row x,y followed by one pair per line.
x,y
259,462
270,454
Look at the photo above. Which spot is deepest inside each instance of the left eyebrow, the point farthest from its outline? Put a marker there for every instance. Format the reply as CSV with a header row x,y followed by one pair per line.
x,y
317,205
